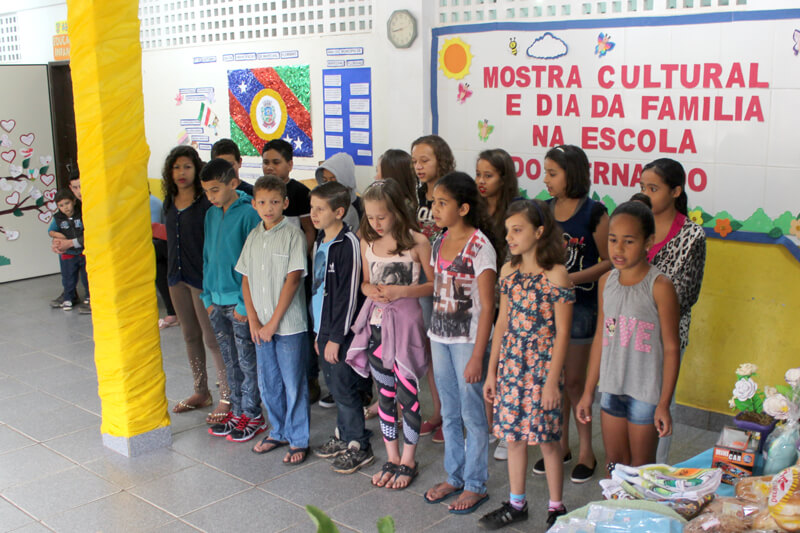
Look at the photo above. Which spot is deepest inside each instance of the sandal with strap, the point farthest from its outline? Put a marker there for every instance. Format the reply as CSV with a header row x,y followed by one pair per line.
x,y
292,452
215,417
410,473
387,468
184,406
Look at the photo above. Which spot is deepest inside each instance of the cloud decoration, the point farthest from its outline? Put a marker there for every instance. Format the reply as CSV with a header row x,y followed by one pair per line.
x,y
548,46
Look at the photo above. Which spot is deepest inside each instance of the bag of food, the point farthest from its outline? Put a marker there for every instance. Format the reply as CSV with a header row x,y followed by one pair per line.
x,y
784,498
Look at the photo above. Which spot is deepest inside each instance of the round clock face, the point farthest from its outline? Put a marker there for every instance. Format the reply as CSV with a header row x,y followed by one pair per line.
x,y
402,28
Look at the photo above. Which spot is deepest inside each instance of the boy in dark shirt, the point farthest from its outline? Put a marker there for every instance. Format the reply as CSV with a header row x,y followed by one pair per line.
x,y
73,263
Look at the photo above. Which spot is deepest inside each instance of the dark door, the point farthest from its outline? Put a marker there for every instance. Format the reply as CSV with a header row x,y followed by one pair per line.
x,y
65,143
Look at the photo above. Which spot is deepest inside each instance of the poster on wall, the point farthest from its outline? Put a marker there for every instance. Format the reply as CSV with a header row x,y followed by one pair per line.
x,y
198,122
27,179
718,92
270,103
347,96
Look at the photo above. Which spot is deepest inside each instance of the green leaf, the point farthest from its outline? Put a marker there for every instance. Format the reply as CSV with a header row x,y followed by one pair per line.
x,y
26,163
775,233
324,524
735,225
40,201
386,524
4,261
17,212
742,406
758,402
706,217
786,390
595,197
43,170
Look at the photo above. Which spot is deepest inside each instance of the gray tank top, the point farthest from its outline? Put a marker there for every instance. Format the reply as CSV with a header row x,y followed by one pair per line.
x,y
633,353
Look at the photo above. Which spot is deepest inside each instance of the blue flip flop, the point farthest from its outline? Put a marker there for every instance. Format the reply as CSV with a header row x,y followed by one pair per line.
x,y
472,507
443,498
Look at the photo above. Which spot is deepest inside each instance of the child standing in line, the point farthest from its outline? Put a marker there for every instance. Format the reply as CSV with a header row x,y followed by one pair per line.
x,y
584,224
340,168
185,208
389,330
397,165
272,265
464,263
528,351
69,227
226,149
60,246
227,224
636,350
432,158
335,302
680,246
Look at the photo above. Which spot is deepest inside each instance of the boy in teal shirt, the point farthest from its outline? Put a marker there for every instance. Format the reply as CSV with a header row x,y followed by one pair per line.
x,y
227,225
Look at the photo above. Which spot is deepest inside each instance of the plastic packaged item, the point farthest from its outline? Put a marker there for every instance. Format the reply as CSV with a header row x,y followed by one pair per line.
x,y
784,498
604,519
780,451
754,489
716,523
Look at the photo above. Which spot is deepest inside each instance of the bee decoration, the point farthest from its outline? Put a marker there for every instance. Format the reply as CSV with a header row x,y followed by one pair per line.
x,y
512,45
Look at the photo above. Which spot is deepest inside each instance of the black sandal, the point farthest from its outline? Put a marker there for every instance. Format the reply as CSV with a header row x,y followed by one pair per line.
x,y
387,468
410,473
294,451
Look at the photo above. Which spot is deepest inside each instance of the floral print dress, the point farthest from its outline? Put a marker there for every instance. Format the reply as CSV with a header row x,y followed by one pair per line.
x,y
525,359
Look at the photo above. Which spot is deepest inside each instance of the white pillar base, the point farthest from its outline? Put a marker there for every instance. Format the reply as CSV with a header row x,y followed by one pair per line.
x,y
139,444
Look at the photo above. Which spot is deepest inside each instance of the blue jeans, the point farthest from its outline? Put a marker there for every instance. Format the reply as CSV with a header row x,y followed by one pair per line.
x,y
346,386
282,372
71,270
462,406
624,406
239,355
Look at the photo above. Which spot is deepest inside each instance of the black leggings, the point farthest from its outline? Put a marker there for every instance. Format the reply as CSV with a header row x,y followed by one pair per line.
x,y
393,388
161,275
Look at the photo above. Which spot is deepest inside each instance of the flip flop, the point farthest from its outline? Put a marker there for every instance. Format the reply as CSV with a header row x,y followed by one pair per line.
x,y
163,324
471,508
293,451
387,468
217,418
275,445
443,498
182,406
403,470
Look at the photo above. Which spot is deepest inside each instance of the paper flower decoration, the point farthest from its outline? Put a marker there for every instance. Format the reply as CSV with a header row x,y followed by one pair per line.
x,y
778,406
746,370
746,396
723,227
794,228
745,389
792,377
696,216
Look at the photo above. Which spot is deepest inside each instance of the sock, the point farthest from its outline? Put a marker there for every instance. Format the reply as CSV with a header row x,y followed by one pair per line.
x,y
554,505
517,501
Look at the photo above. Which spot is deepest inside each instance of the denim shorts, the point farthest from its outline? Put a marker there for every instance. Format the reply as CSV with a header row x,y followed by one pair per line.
x,y
584,320
623,406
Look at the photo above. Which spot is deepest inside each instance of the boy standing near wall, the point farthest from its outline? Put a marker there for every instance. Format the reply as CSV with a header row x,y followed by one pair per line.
x,y
226,149
69,229
335,301
272,265
227,224
60,245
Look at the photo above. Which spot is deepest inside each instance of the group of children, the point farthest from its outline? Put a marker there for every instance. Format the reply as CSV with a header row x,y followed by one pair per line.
x,y
514,310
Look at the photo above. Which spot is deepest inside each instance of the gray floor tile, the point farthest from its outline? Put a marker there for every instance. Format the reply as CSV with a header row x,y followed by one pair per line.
x,y
176,526
11,387
82,446
307,526
31,362
189,489
11,517
121,512
53,423
80,353
277,514
11,440
59,492
29,463
58,375
35,527
128,472
12,348
81,393
316,484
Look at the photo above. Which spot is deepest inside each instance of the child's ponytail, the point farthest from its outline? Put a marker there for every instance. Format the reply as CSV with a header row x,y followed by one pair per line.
x,y
672,174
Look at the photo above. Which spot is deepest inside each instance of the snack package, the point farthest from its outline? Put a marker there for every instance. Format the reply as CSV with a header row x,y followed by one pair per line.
x,y
754,489
784,498
715,523
743,510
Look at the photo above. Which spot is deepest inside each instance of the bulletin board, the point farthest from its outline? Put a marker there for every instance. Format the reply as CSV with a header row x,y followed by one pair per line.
x,y
347,97
717,91
27,177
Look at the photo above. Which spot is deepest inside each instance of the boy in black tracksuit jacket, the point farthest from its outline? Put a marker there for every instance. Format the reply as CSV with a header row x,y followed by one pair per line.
x,y
69,225
335,302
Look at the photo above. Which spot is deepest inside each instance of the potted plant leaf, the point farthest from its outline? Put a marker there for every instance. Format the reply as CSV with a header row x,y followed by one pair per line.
x,y
749,400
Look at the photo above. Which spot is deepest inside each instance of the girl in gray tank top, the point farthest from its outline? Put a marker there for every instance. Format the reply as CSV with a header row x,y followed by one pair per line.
x,y
635,353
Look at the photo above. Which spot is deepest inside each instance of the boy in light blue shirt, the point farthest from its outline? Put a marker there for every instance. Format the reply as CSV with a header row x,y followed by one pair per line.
x,y
227,224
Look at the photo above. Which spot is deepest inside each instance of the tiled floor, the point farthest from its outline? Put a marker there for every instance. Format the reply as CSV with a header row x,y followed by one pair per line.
x,y
56,475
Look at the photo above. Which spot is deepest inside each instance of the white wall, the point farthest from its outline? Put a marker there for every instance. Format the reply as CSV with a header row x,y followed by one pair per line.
x,y
36,25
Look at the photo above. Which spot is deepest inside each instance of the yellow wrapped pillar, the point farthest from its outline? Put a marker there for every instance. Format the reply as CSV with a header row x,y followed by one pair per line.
x,y
112,156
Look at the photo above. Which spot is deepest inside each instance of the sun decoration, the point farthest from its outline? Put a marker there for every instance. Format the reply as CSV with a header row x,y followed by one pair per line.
x,y
455,58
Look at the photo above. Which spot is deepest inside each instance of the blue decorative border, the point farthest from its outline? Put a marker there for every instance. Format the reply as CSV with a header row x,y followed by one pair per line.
x,y
667,20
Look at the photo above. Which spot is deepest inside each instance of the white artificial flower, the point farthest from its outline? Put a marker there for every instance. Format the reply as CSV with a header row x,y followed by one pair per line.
x,y
36,193
792,377
12,235
777,406
745,389
746,369
732,403
770,391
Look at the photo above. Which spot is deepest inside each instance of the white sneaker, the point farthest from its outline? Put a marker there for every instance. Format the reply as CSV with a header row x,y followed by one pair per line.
x,y
501,452
492,438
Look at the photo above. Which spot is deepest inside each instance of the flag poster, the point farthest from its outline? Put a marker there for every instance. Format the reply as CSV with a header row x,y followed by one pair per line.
x,y
271,103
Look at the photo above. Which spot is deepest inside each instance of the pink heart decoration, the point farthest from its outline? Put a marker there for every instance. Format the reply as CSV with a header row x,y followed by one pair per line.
x,y
27,139
50,195
27,152
52,206
47,179
13,198
45,217
8,125
9,156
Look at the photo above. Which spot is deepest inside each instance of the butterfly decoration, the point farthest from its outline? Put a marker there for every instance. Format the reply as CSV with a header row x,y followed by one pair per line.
x,y
796,48
463,92
179,99
484,129
604,45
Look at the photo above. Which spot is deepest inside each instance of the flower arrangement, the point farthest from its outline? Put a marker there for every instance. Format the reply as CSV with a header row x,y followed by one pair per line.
x,y
783,401
747,398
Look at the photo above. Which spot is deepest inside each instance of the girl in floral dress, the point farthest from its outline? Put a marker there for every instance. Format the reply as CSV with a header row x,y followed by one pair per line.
x,y
524,379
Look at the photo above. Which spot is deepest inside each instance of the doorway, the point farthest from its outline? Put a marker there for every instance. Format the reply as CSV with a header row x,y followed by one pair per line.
x,y
62,111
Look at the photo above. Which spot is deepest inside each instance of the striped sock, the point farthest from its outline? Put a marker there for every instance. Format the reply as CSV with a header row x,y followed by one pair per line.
x,y
517,501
